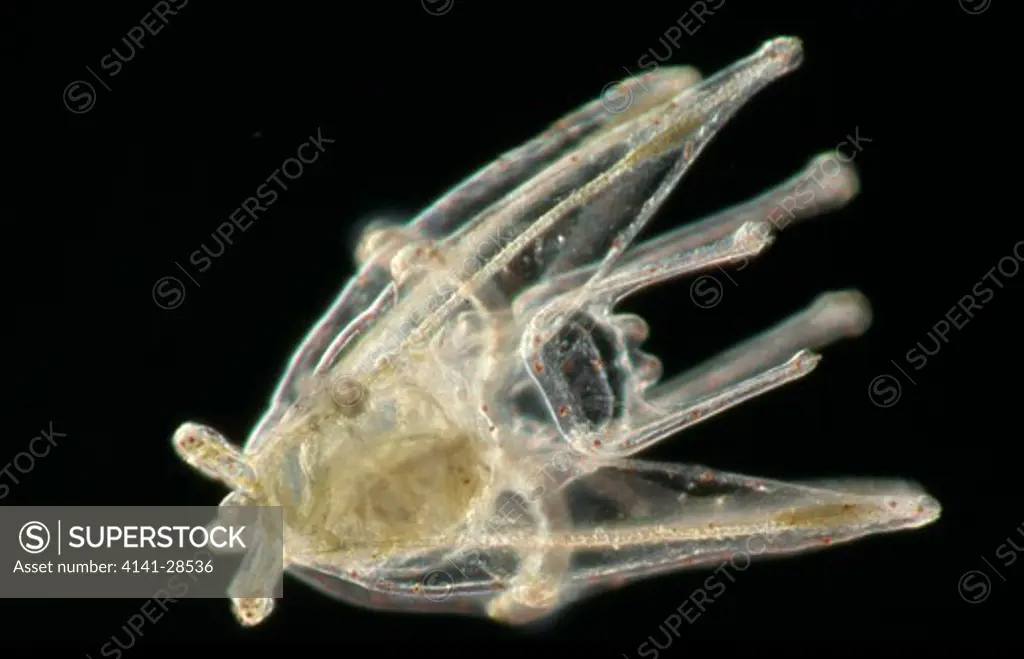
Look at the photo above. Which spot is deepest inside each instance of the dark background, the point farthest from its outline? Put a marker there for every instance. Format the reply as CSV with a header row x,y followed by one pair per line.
x,y
99,206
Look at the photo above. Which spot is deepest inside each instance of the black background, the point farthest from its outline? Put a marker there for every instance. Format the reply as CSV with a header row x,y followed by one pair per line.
x,y
98,206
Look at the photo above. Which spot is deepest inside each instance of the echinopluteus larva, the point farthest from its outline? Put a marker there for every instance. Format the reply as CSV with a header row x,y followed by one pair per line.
x,y
457,433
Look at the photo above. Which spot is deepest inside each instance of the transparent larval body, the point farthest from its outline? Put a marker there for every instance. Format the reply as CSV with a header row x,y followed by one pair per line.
x,y
460,430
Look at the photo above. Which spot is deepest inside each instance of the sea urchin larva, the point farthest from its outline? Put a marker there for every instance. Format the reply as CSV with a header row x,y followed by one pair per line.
x,y
457,433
